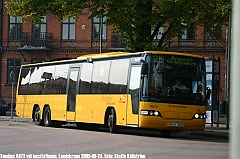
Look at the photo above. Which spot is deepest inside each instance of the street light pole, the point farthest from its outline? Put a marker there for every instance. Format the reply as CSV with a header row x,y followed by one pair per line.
x,y
100,32
229,35
12,78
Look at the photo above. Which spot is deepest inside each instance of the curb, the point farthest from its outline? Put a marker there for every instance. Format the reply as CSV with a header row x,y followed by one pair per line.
x,y
15,119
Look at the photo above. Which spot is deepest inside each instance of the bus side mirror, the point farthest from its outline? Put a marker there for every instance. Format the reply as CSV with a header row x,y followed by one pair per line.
x,y
144,68
208,93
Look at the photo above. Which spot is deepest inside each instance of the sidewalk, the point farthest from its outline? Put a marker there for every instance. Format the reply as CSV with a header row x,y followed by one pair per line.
x,y
14,118
211,131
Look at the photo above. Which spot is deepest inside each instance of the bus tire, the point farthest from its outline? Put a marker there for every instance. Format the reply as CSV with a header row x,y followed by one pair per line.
x,y
47,117
113,128
37,117
166,133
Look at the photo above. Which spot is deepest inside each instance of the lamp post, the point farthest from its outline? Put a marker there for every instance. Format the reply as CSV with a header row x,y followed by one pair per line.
x,y
12,79
229,35
100,32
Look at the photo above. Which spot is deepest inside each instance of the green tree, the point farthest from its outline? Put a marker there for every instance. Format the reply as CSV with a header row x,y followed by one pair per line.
x,y
139,20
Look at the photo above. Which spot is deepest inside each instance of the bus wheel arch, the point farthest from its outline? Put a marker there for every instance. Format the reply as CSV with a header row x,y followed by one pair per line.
x,y
47,116
36,115
110,119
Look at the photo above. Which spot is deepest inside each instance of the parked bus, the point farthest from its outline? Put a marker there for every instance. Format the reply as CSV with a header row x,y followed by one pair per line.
x,y
118,90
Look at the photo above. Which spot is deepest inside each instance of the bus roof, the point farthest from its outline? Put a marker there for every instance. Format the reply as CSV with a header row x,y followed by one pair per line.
x,y
129,53
102,55
173,53
118,54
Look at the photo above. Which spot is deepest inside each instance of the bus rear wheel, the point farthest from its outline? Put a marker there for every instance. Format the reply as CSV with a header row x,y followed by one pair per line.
x,y
47,117
113,128
36,118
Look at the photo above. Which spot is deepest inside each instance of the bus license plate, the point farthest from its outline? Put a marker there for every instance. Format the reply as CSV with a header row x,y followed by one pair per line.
x,y
176,124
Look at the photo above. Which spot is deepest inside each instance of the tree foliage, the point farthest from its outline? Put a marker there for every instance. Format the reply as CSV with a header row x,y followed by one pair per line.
x,y
139,20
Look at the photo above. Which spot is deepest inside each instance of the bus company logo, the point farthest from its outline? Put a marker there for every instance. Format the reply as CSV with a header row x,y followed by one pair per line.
x,y
121,101
177,106
106,98
177,114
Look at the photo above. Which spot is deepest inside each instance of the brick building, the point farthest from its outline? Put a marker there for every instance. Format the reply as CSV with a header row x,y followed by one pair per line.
x,y
28,43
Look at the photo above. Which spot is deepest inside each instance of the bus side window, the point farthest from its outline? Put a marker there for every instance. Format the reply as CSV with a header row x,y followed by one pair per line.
x,y
122,90
85,78
112,89
60,78
105,88
118,76
85,87
99,89
94,88
134,86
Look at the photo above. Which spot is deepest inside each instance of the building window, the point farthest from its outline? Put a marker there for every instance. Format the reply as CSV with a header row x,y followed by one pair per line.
x,y
213,32
38,60
39,30
13,67
98,23
159,34
69,29
188,33
15,28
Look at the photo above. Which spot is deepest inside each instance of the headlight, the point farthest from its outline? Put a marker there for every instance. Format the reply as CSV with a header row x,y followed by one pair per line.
x,y
196,116
150,113
199,116
156,113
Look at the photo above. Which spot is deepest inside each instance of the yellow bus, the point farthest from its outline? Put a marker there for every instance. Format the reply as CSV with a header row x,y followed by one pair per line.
x,y
116,90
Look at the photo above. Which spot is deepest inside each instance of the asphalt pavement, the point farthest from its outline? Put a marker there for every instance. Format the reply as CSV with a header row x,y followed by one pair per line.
x,y
219,130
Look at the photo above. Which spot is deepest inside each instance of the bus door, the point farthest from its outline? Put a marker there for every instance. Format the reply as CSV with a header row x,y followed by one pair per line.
x,y
71,92
133,101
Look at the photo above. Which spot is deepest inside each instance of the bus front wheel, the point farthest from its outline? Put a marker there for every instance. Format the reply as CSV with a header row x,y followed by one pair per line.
x,y
47,117
112,122
37,119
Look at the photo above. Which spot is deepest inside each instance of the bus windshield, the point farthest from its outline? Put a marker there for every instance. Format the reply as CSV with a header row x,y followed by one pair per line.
x,y
175,79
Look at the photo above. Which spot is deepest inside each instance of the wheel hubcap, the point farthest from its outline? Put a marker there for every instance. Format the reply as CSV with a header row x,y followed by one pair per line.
x,y
110,120
37,115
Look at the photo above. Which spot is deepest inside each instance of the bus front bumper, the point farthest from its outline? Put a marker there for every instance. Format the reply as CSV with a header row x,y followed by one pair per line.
x,y
172,124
